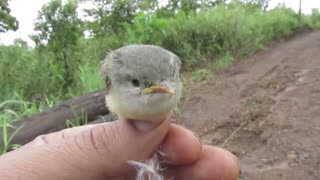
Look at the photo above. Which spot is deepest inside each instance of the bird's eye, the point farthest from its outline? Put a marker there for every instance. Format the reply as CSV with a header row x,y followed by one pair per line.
x,y
135,82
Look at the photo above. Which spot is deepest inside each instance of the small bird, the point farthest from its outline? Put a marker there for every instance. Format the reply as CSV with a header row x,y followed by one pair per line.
x,y
144,84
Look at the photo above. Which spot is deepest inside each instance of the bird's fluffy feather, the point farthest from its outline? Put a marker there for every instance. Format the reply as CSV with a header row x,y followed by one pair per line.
x,y
150,65
147,63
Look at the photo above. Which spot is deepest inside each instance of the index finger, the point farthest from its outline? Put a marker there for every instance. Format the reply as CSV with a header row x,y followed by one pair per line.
x,y
215,164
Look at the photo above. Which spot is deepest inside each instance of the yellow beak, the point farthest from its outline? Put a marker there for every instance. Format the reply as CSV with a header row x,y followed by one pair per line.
x,y
163,87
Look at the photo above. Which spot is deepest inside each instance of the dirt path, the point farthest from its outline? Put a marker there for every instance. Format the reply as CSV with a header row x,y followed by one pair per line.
x,y
266,110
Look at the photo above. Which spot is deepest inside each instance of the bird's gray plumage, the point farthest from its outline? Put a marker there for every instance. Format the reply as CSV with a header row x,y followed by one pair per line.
x,y
128,72
145,62
148,64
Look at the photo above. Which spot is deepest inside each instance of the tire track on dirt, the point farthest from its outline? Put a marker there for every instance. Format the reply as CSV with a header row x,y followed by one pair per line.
x,y
265,109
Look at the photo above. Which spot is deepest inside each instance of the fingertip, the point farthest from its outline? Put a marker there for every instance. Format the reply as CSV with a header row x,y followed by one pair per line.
x,y
229,163
237,163
215,163
180,146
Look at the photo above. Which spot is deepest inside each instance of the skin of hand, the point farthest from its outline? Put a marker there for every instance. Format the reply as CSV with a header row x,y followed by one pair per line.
x,y
101,152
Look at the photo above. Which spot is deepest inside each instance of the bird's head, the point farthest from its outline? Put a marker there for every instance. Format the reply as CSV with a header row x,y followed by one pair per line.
x,y
144,81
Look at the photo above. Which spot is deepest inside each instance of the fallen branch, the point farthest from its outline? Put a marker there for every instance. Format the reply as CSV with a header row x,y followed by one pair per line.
x,y
89,106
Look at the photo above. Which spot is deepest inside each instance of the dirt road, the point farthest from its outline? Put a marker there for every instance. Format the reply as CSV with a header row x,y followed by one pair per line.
x,y
266,110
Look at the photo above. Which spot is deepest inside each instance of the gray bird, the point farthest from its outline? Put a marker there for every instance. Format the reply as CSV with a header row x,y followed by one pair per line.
x,y
143,82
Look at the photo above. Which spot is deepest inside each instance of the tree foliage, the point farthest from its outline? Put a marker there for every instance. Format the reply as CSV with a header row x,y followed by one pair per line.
x,y
58,30
7,21
109,15
261,4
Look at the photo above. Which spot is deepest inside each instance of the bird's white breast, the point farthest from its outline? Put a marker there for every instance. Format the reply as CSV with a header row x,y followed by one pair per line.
x,y
142,107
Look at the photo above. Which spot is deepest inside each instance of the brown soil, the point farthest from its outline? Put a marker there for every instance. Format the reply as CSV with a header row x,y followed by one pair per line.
x,y
265,109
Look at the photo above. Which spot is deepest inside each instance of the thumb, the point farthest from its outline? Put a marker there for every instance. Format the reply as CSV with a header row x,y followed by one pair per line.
x,y
97,151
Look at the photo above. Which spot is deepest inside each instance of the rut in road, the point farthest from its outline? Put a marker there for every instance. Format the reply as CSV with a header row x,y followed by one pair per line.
x,y
265,109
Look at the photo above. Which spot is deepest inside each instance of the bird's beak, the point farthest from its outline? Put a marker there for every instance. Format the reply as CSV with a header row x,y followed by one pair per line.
x,y
163,87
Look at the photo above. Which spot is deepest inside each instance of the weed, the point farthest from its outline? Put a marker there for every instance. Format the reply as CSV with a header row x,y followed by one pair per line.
x,y
201,74
223,62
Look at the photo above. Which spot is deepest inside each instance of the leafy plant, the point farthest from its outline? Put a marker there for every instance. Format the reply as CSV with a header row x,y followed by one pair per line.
x,y
223,62
201,74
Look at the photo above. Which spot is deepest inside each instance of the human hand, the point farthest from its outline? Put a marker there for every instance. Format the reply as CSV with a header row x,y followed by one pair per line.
x,y
101,152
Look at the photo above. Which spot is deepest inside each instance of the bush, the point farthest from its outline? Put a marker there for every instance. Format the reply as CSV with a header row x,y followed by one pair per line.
x,y
234,28
315,17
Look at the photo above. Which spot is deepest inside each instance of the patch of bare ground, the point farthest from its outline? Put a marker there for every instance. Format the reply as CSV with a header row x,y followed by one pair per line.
x,y
265,109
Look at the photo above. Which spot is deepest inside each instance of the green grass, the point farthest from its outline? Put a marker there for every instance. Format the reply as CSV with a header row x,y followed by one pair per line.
x,y
5,124
223,62
12,110
235,29
315,17
200,74
79,121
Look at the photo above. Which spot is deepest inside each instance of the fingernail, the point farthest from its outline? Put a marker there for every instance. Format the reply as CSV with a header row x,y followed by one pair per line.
x,y
146,126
